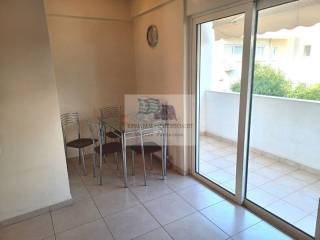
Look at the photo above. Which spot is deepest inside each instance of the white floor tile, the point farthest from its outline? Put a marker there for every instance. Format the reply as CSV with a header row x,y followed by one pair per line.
x,y
220,176
36,228
221,163
205,167
200,197
94,230
256,179
312,190
50,238
229,185
230,218
115,201
231,158
265,161
173,203
78,191
169,208
286,211
177,182
208,156
109,184
81,212
260,197
153,190
270,173
305,176
308,224
261,231
131,223
158,234
302,201
278,189
195,226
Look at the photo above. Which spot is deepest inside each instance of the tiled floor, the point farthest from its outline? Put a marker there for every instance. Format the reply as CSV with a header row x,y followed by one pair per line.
x,y
285,190
177,208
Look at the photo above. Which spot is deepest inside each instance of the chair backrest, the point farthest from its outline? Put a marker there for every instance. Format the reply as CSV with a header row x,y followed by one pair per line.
x,y
113,112
70,119
150,132
96,131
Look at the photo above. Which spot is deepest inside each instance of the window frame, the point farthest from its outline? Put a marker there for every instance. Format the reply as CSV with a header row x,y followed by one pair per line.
x,y
248,58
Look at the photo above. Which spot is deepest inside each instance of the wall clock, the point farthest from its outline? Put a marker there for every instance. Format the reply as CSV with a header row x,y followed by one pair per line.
x,y
152,36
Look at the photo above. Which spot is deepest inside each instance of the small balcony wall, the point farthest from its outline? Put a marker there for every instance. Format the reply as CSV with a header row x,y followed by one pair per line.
x,y
288,129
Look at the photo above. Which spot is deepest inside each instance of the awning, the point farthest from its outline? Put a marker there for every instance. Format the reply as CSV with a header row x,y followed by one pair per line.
x,y
288,16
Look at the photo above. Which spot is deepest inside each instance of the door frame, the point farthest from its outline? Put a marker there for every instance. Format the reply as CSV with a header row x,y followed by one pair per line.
x,y
250,10
195,58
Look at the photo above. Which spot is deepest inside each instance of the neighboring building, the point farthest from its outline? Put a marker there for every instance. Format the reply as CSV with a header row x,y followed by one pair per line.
x,y
295,52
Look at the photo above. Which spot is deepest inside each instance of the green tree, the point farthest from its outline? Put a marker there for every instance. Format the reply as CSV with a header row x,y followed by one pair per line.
x,y
271,82
268,81
235,87
301,91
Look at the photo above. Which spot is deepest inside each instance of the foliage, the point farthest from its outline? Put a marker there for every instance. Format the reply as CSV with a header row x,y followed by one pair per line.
x,y
304,92
271,82
235,87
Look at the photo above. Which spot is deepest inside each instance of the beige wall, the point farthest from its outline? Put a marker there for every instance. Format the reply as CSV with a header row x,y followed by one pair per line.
x,y
92,53
199,6
160,70
98,61
33,171
139,7
111,9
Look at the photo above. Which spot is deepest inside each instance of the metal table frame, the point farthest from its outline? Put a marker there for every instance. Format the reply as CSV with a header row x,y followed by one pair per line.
x,y
126,134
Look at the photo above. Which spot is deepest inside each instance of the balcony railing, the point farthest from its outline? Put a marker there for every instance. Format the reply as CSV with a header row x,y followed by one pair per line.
x,y
286,129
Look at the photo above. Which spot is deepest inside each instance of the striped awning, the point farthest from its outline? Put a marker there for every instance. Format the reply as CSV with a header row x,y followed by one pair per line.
x,y
303,13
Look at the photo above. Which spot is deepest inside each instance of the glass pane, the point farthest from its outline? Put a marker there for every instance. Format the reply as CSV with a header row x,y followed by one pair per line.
x,y
221,46
284,159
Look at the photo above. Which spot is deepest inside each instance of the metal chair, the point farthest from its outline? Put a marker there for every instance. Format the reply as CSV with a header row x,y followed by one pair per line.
x,y
149,148
71,120
112,113
101,147
146,148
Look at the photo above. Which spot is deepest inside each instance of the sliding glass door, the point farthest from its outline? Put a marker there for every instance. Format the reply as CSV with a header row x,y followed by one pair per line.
x,y
257,85
284,159
220,47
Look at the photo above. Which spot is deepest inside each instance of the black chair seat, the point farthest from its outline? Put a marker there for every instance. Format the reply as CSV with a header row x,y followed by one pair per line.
x,y
80,143
108,148
149,147
115,134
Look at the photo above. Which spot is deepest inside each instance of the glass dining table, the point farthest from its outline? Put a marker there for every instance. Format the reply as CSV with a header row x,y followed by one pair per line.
x,y
134,129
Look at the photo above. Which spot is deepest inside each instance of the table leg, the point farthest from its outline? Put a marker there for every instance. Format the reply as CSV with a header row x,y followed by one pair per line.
x,y
163,157
165,148
100,162
124,159
143,161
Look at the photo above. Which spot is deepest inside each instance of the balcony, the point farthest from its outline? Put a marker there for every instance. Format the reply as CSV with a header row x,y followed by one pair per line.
x,y
283,168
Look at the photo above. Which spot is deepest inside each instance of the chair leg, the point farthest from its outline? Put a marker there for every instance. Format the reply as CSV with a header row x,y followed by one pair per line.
x,y
151,161
117,159
94,164
132,154
162,158
83,162
100,168
79,157
144,169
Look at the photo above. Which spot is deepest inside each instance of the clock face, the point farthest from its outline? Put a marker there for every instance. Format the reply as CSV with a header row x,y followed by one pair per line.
x,y
152,36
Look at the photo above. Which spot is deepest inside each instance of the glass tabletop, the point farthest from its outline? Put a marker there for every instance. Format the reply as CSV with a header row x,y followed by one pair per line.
x,y
133,123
